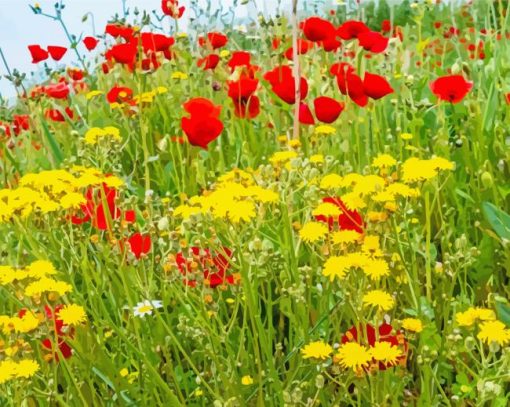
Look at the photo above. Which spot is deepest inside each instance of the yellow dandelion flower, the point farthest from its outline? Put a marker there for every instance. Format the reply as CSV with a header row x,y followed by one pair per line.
x,y
40,268
26,368
494,331
324,129
313,231
246,380
72,314
93,94
317,350
336,266
474,314
406,136
412,324
352,355
379,299
282,157
353,201
385,352
345,236
327,209
317,159
241,211
179,75
376,268
331,181
384,161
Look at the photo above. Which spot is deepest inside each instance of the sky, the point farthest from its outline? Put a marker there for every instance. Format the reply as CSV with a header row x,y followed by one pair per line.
x,y
20,27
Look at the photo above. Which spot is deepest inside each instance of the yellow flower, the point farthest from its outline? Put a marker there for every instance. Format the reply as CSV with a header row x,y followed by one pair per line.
x,y
281,157
331,181
352,355
327,209
345,236
246,380
412,324
317,350
317,159
379,299
179,75
376,268
473,315
26,368
494,331
384,161
241,211
72,314
225,53
313,231
406,136
94,134
93,94
124,372
336,266
385,352
324,129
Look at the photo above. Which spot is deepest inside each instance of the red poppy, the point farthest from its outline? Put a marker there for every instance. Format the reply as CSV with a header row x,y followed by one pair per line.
x,y
239,58
94,209
122,53
214,40
303,47
56,52
156,42
57,116
386,26
246,105
171,8
373,41
305,114
317,29
140,244
90,43
209,62
75,74
58,90
282,84
117,30
61,333
327,109
376,86
20,122
507,98
5,130
366,335
213,267
38,54
330,44
351,29
119,94
347,220
451,88
203,125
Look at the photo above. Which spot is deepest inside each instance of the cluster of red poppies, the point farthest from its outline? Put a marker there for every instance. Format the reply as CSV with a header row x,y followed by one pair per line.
x,y
101,210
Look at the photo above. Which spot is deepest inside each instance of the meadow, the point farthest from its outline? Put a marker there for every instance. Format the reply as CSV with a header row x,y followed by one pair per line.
x,y
308,210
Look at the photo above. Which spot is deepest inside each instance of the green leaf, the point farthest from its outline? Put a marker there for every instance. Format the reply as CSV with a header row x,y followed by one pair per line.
x,y
498,219
55,148
503,311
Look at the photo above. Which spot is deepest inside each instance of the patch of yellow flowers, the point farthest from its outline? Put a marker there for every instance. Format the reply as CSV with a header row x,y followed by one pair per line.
x,y
235,197
51,191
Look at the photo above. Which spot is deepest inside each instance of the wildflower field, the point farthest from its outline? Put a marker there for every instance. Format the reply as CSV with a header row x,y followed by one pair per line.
x,y
309,209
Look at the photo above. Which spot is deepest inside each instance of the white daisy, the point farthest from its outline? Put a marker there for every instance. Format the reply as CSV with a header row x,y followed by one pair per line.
x,y
146,307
